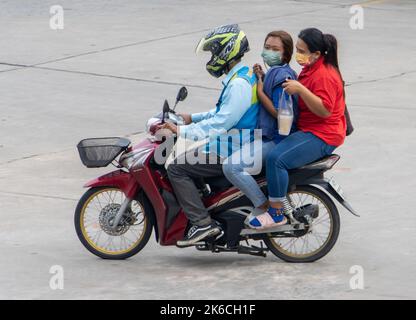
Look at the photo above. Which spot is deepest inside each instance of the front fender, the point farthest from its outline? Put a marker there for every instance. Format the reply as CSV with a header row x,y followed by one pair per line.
x,y
119,179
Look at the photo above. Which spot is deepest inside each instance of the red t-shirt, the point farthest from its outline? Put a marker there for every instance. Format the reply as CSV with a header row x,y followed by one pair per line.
x,y
323,81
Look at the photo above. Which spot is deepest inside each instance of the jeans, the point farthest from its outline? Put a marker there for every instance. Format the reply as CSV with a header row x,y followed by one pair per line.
x,y
239,167
298,149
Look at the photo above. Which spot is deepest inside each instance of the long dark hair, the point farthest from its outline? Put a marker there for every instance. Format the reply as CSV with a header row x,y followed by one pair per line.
x,y
327,44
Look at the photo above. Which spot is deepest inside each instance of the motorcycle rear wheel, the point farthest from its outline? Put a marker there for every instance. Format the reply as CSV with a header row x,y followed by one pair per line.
x,y
95,210
290,249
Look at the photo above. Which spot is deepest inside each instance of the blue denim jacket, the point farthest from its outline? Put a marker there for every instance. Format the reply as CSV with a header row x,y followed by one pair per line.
x,y
273,81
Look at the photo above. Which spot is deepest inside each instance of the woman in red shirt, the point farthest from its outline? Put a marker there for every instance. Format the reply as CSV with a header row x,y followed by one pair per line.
x,y
321,122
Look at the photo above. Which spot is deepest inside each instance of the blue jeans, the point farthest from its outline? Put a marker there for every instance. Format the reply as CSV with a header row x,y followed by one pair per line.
x,y
239,167
298,149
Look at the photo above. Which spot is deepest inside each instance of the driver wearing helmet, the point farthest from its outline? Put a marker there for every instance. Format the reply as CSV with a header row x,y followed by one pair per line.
x,y
236,110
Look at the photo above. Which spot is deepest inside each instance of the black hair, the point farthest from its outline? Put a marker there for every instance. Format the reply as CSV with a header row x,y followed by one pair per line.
x,y
325,43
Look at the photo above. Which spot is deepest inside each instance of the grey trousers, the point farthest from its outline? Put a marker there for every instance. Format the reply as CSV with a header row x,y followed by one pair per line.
x,y
181,177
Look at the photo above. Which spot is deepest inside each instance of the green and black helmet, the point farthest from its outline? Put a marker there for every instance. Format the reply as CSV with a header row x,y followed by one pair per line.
x,y
226,44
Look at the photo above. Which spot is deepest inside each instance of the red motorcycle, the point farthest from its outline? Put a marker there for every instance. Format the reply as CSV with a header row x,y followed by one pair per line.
x,y
114,219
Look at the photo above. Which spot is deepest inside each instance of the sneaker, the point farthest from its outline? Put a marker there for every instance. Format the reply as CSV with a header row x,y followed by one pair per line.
x,y
197,233
271,218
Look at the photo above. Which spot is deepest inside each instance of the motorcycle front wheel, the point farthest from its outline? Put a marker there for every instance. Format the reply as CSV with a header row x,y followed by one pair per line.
x,y
93,223
319,238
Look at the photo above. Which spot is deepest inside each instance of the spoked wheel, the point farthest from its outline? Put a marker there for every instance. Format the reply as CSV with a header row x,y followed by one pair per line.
x,y
94,218
319,238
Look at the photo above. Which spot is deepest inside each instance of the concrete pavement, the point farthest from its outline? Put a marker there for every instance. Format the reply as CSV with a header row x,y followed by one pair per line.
x,y
111,68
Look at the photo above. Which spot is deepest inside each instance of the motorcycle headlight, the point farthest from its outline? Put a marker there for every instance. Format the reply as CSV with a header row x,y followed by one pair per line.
x,y
135,158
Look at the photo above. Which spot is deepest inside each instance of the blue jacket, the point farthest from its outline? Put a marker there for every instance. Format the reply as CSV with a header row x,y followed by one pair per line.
x,y
237,108
273,81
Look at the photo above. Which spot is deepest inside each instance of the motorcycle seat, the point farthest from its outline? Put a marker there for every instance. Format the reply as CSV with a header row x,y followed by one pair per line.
x,y
218,183
221,182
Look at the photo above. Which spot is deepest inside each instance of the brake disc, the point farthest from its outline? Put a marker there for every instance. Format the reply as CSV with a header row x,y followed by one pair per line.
x,y
106,219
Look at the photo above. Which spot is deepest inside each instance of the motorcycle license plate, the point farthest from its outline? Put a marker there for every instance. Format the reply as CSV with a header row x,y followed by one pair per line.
x,y
337,188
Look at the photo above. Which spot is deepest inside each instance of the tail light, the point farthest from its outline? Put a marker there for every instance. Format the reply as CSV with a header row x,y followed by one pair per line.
x,y
324,164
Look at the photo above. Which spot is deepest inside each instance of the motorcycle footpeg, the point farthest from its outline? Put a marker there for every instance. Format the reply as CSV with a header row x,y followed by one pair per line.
x,y
219,236
196,244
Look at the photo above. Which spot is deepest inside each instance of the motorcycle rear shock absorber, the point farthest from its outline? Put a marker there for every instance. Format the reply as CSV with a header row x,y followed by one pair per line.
x,y
289,211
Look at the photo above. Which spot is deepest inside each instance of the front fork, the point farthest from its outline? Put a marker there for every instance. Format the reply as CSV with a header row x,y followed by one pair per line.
x,y
120,213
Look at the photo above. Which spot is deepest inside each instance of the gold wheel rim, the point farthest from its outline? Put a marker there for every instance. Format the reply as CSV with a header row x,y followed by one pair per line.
x,y
91,241
292,240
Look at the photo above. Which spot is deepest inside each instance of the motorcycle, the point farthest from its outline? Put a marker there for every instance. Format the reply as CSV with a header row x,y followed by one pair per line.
x,y
115,217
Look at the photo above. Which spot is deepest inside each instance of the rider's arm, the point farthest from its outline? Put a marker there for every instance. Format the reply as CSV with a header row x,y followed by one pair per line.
x,y
197,117
268,104
236,101
321,97
277,95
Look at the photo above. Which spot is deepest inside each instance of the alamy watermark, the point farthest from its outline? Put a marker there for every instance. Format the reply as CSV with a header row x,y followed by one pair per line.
x,y
357,279
56,282
56,21
201,150
357,19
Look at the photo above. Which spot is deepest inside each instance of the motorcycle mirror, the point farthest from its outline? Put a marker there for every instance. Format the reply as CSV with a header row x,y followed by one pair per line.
x,y
182,94
166,109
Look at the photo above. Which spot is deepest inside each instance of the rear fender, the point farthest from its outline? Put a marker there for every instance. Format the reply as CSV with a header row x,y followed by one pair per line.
x,y
324,184
118,179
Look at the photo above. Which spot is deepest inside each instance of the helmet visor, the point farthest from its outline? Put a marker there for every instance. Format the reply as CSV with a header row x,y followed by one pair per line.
x,y
208,45
200,47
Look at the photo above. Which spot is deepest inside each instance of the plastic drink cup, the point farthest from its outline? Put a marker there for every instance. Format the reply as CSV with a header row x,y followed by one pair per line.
x,y
285,122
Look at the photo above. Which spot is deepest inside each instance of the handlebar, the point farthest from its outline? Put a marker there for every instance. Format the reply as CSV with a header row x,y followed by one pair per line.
x,y
154,122
175,119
